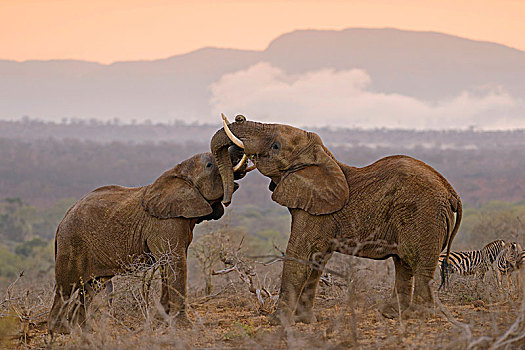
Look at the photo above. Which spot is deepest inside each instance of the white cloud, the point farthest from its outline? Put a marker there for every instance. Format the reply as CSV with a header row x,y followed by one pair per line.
x,y
342,98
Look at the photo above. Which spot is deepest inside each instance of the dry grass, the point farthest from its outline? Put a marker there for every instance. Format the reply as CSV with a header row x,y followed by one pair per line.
x,y
476,315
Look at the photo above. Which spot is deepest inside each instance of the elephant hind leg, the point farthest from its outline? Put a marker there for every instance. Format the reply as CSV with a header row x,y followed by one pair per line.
x,y
422,303
422,292
424,273
69,307
80,309
58,322
65,308
402,290
423,300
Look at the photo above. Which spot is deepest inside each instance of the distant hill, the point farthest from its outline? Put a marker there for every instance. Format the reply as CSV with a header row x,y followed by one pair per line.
x,y
424,65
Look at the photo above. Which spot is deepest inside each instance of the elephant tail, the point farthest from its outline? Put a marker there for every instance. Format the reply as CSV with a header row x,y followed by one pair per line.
x,y
456,206
444,274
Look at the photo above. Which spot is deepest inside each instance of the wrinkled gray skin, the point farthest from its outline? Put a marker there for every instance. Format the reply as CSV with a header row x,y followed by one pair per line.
x,y
397,207
115,226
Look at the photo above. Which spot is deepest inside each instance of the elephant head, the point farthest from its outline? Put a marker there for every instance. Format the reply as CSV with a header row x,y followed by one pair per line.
x,y
192,189
304,173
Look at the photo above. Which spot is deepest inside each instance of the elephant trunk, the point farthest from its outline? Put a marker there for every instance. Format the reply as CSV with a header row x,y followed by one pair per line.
x,y
225,165
219,144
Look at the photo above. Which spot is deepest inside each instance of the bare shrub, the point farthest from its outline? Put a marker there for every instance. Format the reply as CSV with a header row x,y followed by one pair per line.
x,y
24,309
207,251
471,313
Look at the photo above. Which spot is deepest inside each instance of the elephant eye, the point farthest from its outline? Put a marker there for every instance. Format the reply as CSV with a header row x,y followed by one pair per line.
x,y
209,165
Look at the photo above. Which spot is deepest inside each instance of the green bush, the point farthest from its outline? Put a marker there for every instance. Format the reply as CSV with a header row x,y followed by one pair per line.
x,y
10,265
26,249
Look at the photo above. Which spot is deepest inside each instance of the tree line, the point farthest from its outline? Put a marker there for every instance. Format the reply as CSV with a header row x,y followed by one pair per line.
x,y
44,171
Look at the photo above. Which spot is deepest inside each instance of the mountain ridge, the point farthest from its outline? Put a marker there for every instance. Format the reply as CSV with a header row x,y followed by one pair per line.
x,y
204,48
428,66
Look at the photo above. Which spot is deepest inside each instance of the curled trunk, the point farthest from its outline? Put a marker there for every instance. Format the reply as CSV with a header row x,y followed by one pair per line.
x,y
225,165
219,148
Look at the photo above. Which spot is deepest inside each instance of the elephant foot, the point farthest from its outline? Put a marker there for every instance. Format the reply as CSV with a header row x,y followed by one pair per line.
x,y
416,311
58,324
305,317
390,310
182,320
279,318
59,329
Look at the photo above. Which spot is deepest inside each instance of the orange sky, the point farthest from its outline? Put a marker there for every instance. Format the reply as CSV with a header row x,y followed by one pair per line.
x,y
115,30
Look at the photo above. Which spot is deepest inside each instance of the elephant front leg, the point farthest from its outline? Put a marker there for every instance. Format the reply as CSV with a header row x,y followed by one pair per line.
x,y
402,290
293,280
308,239
304,311
173,293
170,253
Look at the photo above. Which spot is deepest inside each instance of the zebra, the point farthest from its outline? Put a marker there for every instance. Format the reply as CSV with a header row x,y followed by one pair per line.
x,y
520,265
470,262
508,261
521,260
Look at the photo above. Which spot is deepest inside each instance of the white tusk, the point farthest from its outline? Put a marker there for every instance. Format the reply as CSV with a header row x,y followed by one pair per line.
x,y
225,118
239,165
250,168
231,136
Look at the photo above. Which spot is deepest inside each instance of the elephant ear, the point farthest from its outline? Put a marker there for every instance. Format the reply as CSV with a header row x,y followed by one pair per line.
x,y
319,188
171,196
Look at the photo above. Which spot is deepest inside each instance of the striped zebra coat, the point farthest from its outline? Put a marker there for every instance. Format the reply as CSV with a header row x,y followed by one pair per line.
x,y
509,259
510,262
521,260
476,261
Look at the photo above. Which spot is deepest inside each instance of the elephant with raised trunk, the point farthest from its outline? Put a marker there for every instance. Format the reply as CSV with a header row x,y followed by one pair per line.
x,y
397,207
113,227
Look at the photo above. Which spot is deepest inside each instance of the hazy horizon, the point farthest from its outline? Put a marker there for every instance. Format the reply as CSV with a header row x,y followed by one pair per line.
x,y
94,122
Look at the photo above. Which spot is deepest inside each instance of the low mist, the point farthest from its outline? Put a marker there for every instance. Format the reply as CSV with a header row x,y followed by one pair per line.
x,y
344,98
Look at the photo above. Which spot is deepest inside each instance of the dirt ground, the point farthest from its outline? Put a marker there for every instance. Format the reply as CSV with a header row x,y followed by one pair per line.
x,y
474,313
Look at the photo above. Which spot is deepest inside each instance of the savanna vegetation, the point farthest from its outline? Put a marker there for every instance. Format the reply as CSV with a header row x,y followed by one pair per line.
x,y
234,264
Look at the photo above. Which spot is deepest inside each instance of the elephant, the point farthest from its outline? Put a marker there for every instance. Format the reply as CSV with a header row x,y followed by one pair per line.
x,y
398,207
114,226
